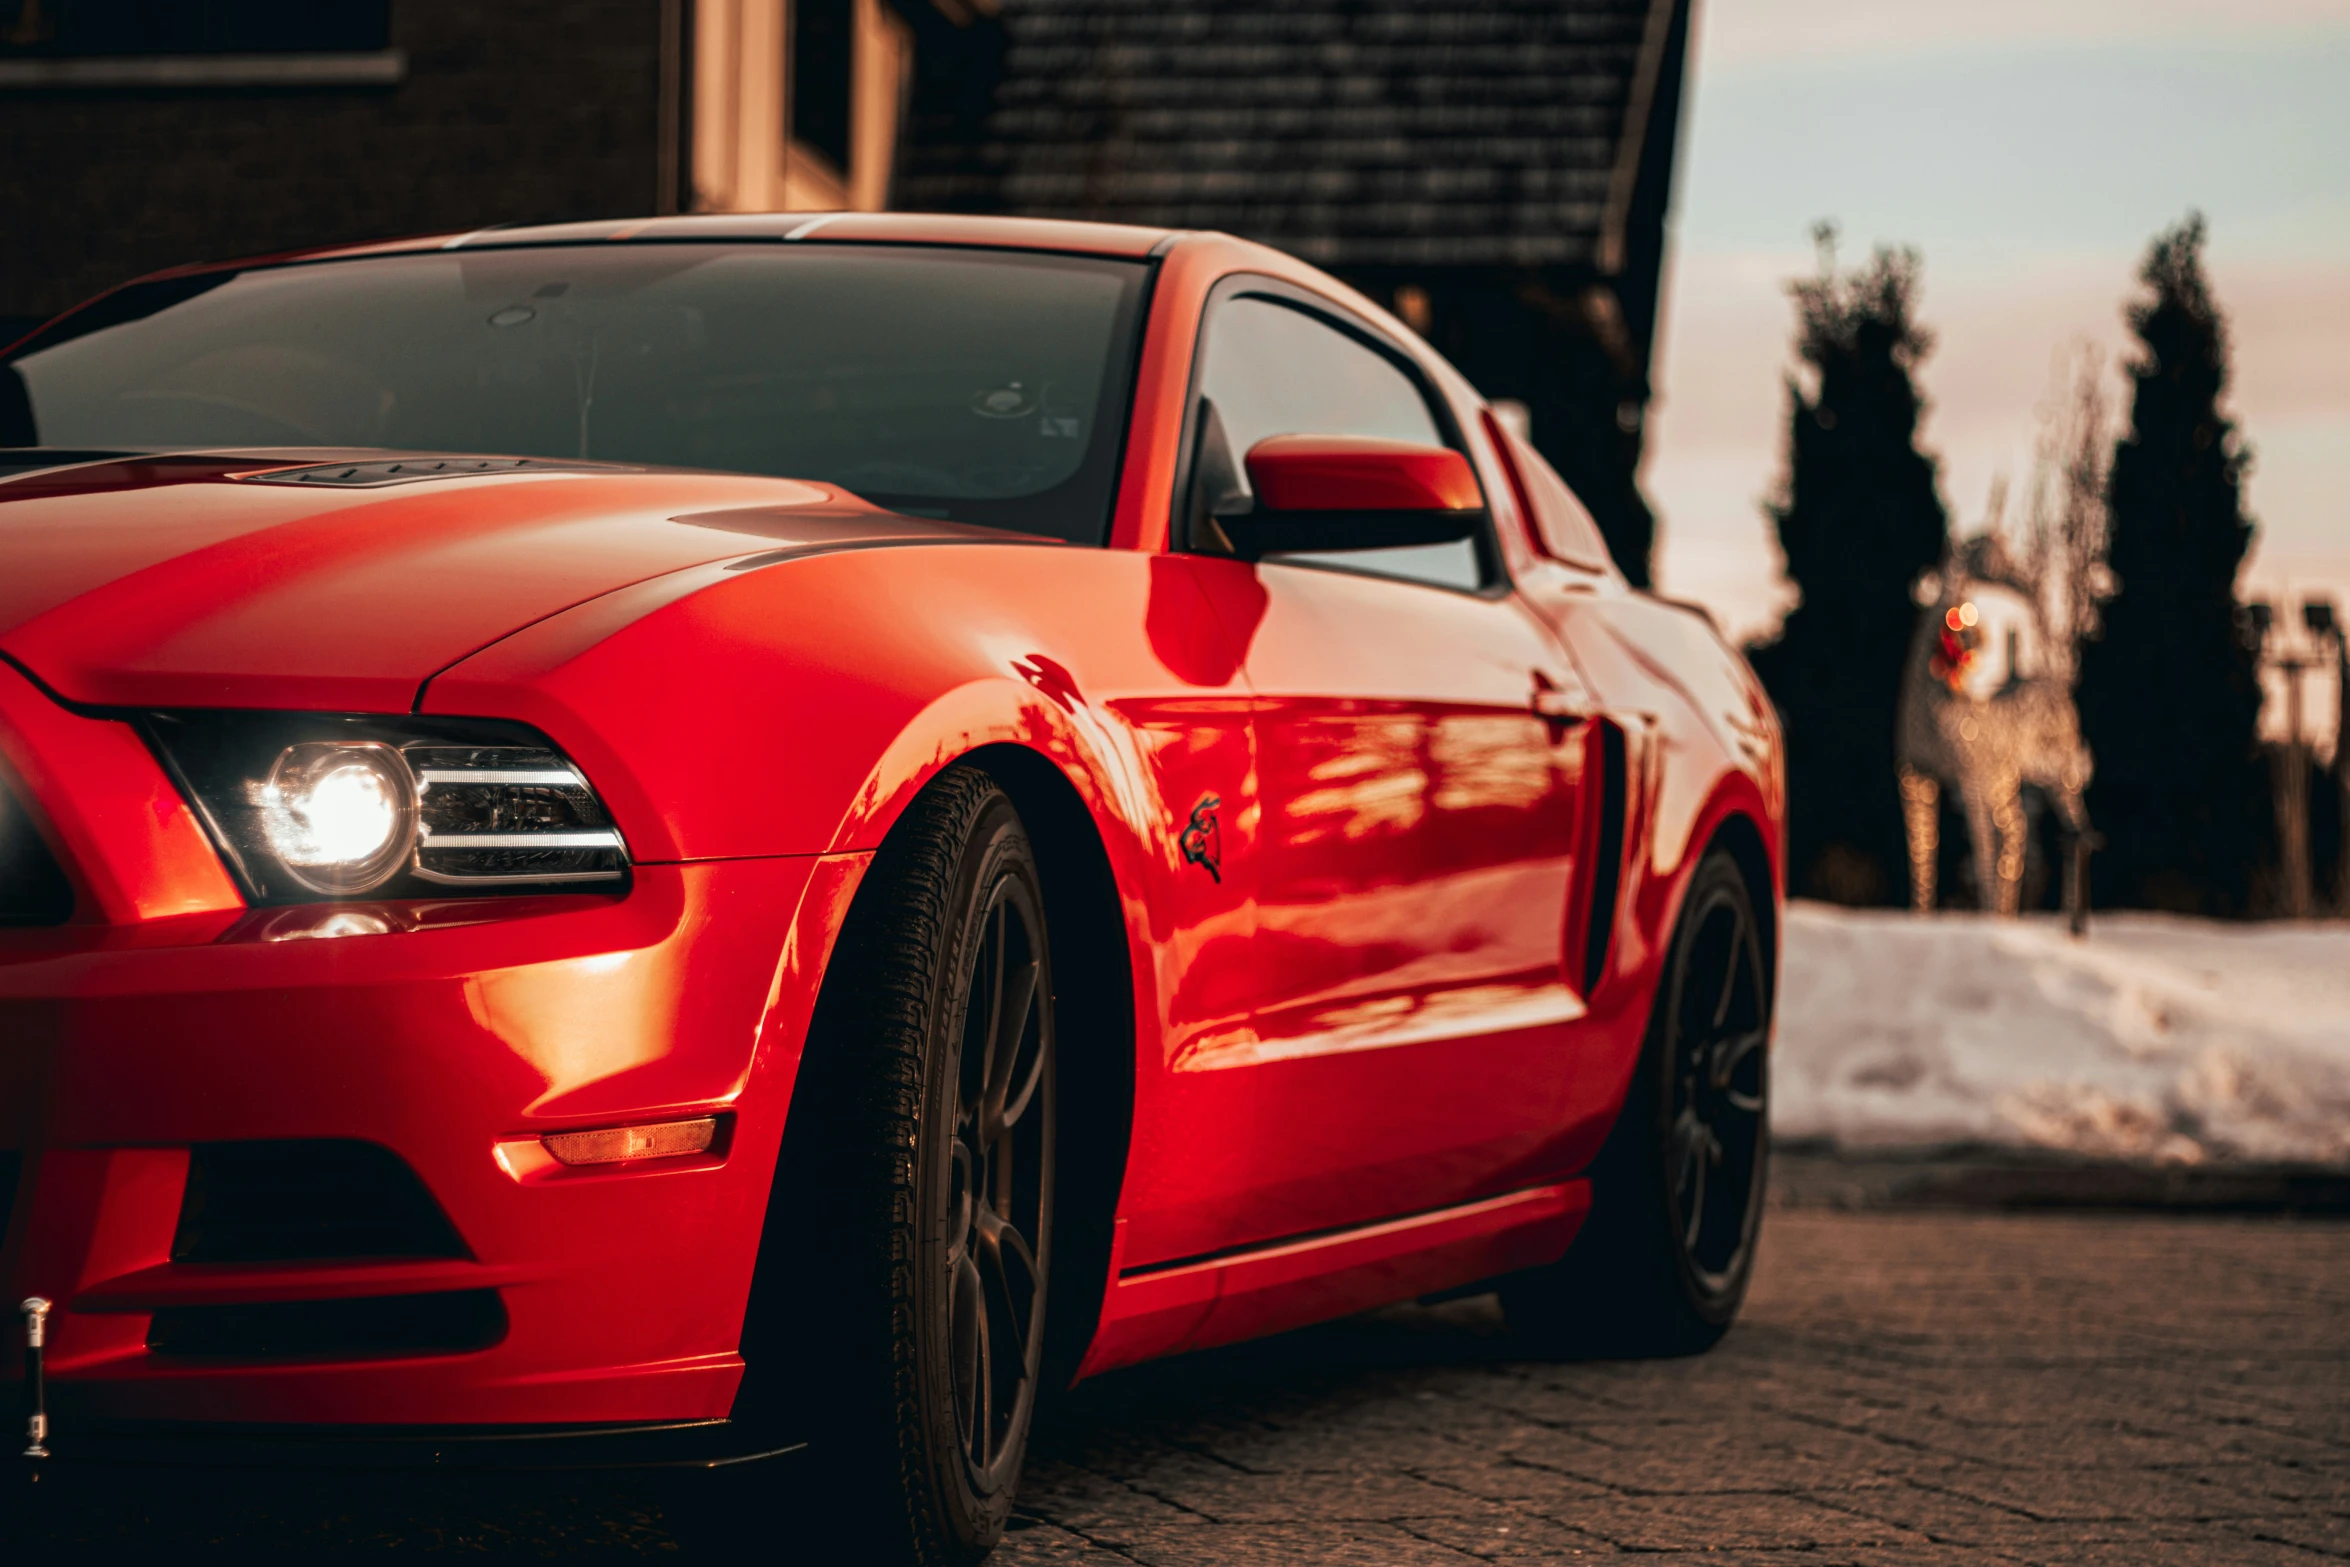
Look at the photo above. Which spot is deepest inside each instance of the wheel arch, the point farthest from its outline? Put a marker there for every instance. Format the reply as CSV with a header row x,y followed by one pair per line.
x,y
1739,835
1093,988
1664,848
1094,991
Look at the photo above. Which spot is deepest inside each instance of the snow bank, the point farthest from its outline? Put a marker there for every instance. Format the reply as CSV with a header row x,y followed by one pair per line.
x,y
2157,1037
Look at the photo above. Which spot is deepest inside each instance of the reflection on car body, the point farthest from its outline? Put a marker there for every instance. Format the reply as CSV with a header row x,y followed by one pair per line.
x,y
710,844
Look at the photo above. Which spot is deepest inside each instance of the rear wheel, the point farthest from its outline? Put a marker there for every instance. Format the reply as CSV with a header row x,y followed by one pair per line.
x,y
899,1312
1677,1192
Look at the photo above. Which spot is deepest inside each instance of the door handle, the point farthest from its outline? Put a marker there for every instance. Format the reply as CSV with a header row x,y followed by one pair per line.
x,y
1555,705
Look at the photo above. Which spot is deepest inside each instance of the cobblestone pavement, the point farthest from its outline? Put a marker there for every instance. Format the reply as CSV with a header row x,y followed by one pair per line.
x,y
1904,1388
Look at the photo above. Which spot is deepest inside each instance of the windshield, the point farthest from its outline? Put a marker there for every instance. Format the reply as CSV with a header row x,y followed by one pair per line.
x,y
983,386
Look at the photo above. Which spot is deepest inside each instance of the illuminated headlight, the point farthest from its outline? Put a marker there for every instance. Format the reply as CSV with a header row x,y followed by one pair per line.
x,y
307,808
340,816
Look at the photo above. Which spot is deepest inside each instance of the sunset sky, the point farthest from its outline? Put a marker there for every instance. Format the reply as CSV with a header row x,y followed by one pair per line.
x,y
2029,148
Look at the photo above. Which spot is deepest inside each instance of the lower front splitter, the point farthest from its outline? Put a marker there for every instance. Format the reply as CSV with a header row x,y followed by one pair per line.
x,y
698,1444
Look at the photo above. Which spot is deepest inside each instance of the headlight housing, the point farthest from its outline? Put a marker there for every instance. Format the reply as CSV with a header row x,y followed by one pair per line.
x,y
308,808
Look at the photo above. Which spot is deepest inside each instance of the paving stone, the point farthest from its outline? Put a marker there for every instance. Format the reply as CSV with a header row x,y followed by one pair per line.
x,y
2323,1489
1936,1514
1246,1545
2099,1445
2327,1533
2075,1494
1232,1497
1044,1545
1506,1534
1758,1454
1685,1523
1088,1502
1511,1481
2202,1550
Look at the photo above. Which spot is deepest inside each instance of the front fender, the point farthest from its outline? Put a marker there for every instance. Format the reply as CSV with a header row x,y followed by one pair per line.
x,y
798,708
795,709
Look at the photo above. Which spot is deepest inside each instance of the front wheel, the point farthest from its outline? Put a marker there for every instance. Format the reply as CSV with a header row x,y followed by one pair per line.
x,y
900,1305
1662,1263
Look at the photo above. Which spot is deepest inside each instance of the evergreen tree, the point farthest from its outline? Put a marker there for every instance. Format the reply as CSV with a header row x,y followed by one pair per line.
x,y
2170,693
1861,520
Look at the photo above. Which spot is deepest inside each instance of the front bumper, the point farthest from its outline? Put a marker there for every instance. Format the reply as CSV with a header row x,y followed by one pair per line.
x,y
454,1037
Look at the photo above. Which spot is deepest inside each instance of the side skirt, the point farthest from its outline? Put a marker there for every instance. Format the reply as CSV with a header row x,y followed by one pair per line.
x,y
1248,1293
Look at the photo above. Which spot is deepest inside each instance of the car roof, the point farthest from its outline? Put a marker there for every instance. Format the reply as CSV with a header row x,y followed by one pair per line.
x,y
901,228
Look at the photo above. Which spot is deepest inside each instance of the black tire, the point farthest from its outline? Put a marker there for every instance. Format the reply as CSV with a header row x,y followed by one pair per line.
x,y
898,1316
1663,1261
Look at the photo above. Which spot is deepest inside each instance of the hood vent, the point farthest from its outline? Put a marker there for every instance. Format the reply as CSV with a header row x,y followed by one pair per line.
x,y
15,460
411,470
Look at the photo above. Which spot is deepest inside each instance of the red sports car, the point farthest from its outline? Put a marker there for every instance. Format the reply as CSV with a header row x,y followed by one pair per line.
x,y
679,839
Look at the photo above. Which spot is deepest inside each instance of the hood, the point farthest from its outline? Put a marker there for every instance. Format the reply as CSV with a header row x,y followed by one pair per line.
x,y
257,579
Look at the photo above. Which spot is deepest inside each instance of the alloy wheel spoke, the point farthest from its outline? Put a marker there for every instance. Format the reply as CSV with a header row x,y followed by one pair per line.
x,y
1007,1281
1730,973
981,1442
1730,1053
963,1197
1693,1219
1005,1101
1008,1270
1713,1142
1686,1147
999,1188
990,998
968,1324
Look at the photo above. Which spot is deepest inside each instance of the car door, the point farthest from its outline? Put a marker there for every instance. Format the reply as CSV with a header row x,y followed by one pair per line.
x,y
1418,782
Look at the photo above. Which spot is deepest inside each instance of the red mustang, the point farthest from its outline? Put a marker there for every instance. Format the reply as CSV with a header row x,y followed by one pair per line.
x,y
710,834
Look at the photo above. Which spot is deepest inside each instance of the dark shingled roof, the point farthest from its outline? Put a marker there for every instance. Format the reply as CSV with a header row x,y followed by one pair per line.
x,y
1354,133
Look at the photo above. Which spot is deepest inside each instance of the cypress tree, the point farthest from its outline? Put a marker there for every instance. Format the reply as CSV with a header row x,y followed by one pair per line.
x,y
2170,692
1861,519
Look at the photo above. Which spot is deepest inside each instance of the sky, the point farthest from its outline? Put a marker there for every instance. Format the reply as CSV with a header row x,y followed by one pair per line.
x,y
2029,149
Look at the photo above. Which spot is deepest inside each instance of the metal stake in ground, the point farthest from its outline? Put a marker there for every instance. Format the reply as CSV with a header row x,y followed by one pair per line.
x,y
36,1391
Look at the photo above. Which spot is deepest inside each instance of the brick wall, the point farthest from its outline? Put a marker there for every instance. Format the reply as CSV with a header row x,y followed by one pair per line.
x,y
511,110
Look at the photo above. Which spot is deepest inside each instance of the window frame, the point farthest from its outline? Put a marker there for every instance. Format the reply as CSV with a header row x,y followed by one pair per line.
x,y
1492,565
1515,453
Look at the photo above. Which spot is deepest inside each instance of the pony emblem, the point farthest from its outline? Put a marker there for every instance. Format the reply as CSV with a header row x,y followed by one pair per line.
x,y
1203,841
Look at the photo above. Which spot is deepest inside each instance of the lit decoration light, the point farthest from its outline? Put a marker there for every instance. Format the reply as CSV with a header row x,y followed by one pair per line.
x,y
622,1144
1954,647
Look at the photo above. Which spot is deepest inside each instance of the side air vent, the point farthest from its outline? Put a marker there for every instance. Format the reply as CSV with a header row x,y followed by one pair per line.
x,y
412,470
306,1201
33,890
1607,868
374,1327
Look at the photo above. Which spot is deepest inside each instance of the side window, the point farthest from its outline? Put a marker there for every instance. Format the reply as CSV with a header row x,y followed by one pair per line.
x,y
1271,369
1562,523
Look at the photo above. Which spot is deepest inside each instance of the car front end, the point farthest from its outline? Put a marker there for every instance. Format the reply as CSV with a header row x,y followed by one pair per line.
x,y
403,1135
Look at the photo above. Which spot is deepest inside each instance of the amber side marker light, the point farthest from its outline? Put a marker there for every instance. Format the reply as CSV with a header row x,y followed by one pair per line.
x,y
625,1144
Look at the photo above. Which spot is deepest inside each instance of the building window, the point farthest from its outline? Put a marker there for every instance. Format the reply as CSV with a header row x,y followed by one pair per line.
x,y
224,43
823,60
795,103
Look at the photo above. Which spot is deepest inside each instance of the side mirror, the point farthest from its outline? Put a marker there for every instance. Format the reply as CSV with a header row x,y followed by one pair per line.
x,y
1345,492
